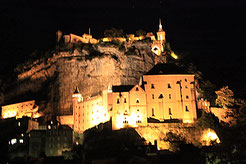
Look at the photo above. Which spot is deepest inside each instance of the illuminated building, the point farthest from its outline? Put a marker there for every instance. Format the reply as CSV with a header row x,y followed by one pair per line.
x,y
170,93
159,44
19,110
167,93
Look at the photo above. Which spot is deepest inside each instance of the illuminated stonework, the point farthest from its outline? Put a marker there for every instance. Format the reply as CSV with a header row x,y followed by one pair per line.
x,y
167,93
159,44
19,110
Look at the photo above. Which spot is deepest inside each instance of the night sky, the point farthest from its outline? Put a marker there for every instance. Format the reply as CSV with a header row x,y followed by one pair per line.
x,y
211,31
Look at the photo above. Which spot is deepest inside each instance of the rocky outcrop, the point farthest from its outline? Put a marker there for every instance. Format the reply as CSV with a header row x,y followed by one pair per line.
x,y
91,70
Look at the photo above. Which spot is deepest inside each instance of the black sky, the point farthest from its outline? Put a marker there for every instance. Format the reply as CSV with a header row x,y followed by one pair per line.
x,y
212,31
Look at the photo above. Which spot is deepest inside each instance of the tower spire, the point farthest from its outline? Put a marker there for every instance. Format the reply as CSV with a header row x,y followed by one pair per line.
x,y
160,25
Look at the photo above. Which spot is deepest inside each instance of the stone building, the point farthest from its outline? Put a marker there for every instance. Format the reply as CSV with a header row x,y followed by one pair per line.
x,y
167,93
18,110
159,44
52,141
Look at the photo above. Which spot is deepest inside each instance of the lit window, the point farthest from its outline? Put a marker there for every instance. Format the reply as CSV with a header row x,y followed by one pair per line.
x,y
170,96
118,100
153,112
153,96
152,86
137,89
186,108
13,141
137,101
170,111
168,85
49,127
19,123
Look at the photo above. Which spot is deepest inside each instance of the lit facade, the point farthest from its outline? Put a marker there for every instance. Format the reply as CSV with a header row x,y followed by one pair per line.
x,y
19,110
167,93
170,95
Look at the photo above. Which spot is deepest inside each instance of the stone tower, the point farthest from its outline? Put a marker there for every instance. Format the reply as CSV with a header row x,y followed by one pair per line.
x,y
161,35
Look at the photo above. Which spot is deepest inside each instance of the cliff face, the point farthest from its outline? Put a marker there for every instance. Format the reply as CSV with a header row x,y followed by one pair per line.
x,y
92,70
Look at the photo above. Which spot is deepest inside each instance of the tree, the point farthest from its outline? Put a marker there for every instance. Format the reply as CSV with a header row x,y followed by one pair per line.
x,y
208,120
113,32
225,97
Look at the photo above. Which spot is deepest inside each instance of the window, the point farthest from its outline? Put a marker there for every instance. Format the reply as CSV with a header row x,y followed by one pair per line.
x,y
153,112
138,110
168,85
187,97
185,80
170,96
118,100
153,96
170,111
137,89
139,121
152,86
186,108
137,101
161,96
124,100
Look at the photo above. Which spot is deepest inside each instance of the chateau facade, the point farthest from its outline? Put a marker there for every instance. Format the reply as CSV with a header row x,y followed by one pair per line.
x,y
166,93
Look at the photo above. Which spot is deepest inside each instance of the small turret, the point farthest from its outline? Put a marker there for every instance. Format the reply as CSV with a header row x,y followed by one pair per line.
x,y
76,95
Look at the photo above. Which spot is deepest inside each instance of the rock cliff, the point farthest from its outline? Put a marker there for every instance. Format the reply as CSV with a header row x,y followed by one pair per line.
x,y
91,67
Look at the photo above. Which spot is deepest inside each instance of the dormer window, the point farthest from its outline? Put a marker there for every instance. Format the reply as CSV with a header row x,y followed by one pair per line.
x,y
152,86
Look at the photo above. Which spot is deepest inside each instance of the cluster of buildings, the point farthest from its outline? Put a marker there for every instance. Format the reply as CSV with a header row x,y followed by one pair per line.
x,y
157,46
165,94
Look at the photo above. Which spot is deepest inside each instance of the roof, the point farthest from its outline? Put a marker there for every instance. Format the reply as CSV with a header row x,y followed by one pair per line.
x,y
166,69
76,90
122,88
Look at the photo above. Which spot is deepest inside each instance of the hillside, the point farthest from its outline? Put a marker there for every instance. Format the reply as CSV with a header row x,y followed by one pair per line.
x,y
90,67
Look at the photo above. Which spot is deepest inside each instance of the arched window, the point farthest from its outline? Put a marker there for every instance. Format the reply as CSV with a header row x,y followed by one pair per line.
x,y
137,101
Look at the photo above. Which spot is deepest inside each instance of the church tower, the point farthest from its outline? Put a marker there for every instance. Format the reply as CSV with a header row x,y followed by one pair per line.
x,y
161,35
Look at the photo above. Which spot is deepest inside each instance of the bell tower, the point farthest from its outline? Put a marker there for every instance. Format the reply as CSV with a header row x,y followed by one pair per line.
x,y
161,35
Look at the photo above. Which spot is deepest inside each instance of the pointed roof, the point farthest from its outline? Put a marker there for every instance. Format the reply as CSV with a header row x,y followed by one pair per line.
x,y
160,25
166,69
76,90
